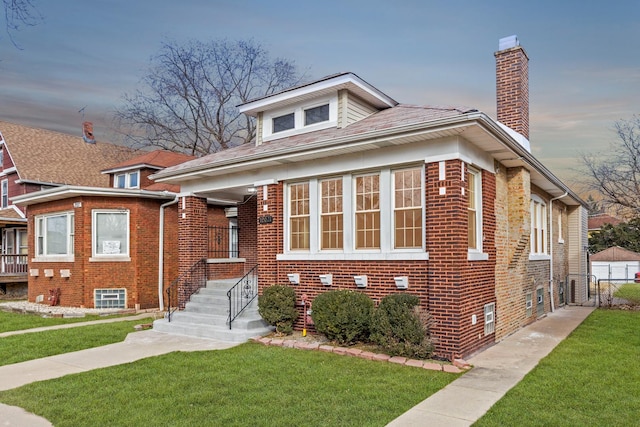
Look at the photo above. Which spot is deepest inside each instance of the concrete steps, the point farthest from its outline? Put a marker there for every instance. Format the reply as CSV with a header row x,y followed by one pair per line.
x,y
205,316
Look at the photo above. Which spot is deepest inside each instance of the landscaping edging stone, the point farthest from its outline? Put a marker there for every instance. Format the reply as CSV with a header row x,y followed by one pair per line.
x,y
459,366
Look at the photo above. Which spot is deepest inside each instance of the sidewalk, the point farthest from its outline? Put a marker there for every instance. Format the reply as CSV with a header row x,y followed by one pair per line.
x,y
138,345
495,371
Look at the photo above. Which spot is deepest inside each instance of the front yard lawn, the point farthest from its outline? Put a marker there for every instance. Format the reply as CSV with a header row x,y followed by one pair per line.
x,y
250,384
35,345
591,379
18,321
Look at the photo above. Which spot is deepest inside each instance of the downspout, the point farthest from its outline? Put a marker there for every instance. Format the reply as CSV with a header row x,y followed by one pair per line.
x,y
551,248
161,254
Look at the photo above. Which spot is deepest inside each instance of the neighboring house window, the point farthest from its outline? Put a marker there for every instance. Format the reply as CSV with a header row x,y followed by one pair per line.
x,y
127,180
2,156
5,193
560,233
489,318
110,298
299,216
367,212
316,115
234,249
331,218
110,233
538,226
474,209
54,234
283,123
408,196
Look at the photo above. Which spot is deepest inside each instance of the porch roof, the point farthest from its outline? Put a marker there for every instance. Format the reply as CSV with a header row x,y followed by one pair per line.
x,y
68,191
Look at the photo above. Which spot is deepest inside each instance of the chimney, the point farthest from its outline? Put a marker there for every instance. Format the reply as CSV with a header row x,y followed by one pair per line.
x,y
512,85
87,133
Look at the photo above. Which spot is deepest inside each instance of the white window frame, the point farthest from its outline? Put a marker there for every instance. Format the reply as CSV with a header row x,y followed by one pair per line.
x,y
560,232
422,207
128,177
538,239
386,251
476,254
40,223
123,256
5,193
299,119
489,318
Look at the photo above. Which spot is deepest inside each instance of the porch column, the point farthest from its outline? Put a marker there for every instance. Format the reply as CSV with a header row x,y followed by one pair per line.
x,y
192,238
270,217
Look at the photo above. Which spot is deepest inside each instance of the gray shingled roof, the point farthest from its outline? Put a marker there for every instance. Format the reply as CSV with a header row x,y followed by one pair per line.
x,y
400,115
51,157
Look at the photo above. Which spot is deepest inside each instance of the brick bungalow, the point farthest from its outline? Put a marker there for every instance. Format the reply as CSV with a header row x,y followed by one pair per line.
x,y
345,188
33,159
103,247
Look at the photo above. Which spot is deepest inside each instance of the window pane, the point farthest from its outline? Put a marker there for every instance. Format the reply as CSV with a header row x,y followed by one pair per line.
x,y
283,122
299,216
111,233
56,235
133,180
408,208
316,115
331,214
368,212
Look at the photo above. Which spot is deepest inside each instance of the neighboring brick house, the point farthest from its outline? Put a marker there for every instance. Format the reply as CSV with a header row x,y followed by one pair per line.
x,y
33,159
345,188
103,247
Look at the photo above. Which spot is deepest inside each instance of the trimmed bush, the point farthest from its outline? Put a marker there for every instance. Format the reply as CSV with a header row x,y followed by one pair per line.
x,y
277,306
401,327
343,316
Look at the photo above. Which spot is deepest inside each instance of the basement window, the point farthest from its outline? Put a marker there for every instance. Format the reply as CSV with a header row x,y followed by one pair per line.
x,y
489,318
110,298
529,304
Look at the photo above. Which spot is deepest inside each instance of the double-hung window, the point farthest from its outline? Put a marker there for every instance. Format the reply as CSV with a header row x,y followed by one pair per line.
x,y
538,226
331,217
407,215
299,216
474,209
54,235
110,234
5,193
368,211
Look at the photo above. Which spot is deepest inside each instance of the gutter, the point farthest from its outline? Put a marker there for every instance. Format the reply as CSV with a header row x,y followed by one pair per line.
x,y
161,253
551,248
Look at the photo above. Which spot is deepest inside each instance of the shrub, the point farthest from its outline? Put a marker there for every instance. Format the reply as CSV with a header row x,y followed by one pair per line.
x,y
343,316
401,327
277,306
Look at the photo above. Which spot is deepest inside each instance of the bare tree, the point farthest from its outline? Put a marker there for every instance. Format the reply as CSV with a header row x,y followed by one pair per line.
x,y
19,14
189,98
616,174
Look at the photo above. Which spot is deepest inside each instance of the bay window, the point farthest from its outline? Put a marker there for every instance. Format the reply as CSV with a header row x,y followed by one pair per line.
x,y
368,212
299,216
407,215
331,221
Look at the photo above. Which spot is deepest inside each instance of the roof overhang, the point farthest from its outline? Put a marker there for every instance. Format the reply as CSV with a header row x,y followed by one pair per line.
x,y
319,88
67,191
475,127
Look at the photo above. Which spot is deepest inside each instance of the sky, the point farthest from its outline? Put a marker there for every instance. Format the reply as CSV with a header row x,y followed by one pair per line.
x,y
584,68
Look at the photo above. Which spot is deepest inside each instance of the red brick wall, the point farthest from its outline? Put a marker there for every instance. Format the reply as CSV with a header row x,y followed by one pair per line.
x,y
248,231
192,237
139,276
512,87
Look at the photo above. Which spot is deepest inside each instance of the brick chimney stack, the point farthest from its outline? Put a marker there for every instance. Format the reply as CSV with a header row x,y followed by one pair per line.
x,y
512,85
87,133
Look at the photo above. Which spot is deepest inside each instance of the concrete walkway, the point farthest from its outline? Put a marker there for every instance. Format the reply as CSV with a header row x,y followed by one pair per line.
x,y
494,372
137,345
461,403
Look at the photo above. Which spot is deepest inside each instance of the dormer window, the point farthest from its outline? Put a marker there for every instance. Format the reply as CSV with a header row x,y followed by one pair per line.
x,y
302,118
127,180
316,115
283,123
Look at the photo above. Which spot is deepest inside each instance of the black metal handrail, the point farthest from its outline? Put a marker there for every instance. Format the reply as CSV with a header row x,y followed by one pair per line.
x,y
223,242
242,294
192,280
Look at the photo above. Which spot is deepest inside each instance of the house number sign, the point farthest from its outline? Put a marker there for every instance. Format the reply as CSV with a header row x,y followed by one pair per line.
x,y
267,219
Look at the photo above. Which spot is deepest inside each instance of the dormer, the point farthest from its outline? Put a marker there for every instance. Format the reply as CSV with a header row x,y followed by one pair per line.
x,y
332,102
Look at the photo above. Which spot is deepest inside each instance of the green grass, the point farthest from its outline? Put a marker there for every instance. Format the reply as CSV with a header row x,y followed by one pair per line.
x,y
19,321
591,379
23,347
250,384
630,292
